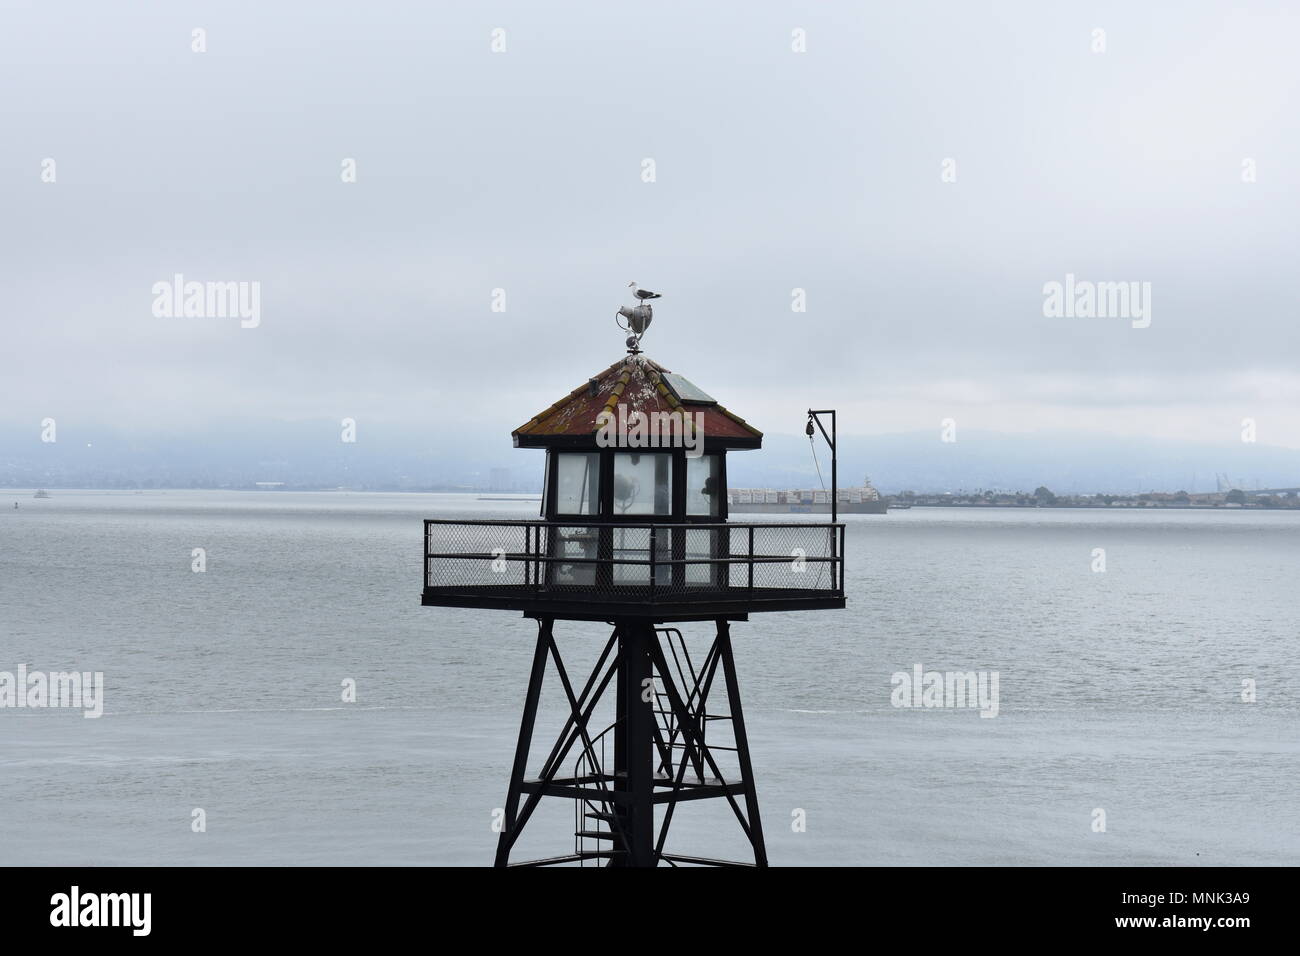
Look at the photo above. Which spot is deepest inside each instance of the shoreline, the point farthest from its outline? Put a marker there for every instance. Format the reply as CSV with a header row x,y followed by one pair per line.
x,y
1151,507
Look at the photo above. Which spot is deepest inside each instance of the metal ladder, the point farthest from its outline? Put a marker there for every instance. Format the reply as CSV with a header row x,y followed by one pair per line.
x,y
594,819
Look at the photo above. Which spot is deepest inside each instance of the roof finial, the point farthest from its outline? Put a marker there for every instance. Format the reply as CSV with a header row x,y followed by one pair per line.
x,y
638,316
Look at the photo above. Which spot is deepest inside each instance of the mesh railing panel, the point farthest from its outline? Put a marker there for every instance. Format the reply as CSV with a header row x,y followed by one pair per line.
x,y
654,563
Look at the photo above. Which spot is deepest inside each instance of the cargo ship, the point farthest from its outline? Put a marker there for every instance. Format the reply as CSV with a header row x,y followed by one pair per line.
x,y
864,500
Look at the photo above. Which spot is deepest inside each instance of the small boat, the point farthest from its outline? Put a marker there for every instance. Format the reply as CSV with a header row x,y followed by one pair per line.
x,y
42,493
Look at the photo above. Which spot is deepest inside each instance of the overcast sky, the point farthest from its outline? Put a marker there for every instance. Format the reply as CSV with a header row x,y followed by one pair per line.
x,y
774,170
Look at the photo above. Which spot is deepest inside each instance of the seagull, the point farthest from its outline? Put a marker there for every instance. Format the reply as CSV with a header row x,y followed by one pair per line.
x,y
642,294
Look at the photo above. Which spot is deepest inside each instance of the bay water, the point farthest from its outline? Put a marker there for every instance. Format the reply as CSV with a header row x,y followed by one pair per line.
x,y
1120,690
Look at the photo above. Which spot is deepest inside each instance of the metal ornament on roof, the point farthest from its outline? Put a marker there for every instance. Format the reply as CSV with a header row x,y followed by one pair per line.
x,y
638,316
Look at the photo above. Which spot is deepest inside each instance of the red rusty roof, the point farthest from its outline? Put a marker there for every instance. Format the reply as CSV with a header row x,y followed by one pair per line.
x,y
638,383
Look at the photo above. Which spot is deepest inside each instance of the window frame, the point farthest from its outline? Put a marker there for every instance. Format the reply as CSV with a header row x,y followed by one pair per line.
x,y
605,493
551,488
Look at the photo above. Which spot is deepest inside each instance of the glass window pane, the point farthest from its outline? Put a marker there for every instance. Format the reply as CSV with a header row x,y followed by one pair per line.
x,y
701,546
580,548
703,475
643,484
578,484
546,489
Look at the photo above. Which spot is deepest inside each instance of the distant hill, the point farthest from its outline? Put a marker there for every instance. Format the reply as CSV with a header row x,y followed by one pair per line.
x,y
311,454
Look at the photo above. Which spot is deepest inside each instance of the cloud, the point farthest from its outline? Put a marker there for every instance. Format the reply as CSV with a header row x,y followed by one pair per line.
x,y
775,171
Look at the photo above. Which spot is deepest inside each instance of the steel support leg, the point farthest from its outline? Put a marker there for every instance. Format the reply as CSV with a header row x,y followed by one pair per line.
x,y
742,743
637,761
506,838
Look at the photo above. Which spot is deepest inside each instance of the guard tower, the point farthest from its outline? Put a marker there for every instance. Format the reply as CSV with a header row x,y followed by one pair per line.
x,y
634,532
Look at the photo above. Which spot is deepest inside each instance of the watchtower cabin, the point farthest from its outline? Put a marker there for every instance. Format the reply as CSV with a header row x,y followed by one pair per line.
x,y
633,531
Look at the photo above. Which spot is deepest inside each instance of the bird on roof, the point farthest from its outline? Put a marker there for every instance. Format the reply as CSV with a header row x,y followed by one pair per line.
x,y
642,294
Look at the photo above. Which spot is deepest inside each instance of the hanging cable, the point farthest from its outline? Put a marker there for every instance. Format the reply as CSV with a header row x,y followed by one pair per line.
x,y
812,447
